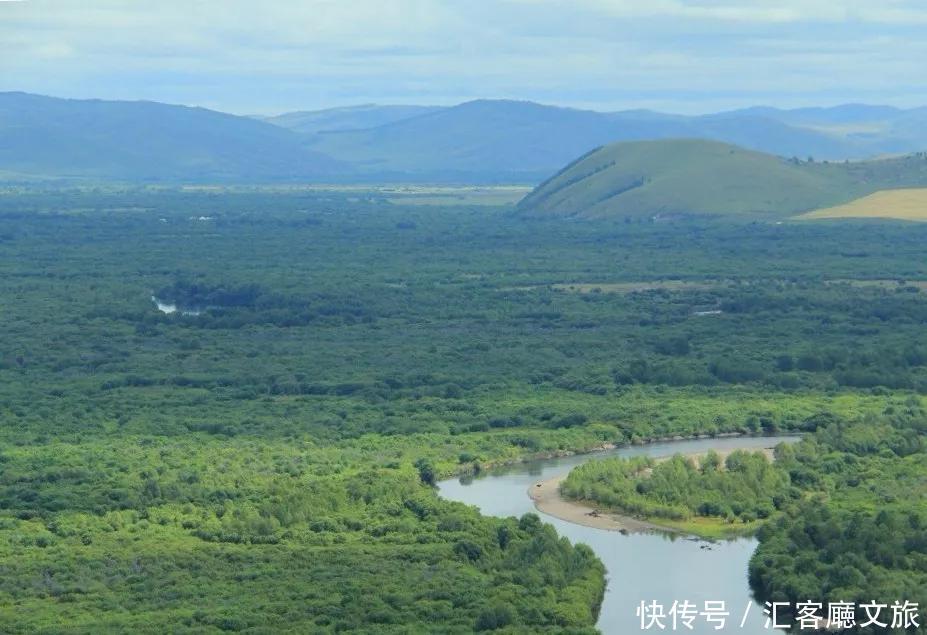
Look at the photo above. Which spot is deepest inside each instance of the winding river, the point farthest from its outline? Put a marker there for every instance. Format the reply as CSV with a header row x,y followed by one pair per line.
x,y
648,567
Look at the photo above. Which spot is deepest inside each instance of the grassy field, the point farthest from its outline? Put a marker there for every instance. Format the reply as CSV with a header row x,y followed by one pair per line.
x,y
901,204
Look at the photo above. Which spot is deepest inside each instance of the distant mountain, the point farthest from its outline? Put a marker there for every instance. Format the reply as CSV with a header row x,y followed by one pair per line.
x,y
348,118
146,141
863,129
478,140
693,176
498,140
483,141
843,114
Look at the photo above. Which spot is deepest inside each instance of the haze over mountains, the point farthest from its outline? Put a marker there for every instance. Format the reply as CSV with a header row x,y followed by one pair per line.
x,y
483,141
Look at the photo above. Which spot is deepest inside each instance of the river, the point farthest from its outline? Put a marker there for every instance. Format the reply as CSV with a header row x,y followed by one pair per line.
x,y
650,567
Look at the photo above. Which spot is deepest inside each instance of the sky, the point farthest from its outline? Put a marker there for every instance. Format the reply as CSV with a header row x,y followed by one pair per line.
x,y
271,56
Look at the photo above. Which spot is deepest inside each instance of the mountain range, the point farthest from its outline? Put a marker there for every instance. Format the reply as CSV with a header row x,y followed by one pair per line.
x,y
483,141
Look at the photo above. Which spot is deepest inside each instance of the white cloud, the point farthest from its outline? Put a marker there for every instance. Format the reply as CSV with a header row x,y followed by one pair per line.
x,y
784,11
678,54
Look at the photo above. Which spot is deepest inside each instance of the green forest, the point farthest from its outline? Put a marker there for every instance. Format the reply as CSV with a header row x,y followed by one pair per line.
x,y
263,458
742,488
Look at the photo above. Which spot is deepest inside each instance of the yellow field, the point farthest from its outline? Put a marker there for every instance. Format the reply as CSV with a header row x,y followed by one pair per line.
x,y
903,204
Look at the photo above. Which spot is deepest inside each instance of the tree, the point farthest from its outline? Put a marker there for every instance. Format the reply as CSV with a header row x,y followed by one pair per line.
x,y
426,471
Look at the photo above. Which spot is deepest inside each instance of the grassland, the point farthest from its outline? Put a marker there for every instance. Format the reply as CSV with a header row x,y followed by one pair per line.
x,y
901,204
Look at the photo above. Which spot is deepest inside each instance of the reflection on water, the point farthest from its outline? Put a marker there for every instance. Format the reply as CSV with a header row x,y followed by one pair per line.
x,y
641,567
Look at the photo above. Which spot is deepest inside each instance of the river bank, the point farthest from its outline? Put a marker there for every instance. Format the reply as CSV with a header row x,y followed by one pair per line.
x,y
637,564
547,499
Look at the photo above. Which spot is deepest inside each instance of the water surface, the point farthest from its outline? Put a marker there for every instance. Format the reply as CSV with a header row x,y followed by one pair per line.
x,y
641,567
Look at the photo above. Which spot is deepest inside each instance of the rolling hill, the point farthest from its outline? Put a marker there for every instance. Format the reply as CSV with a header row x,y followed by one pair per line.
x,y
691,176
146,141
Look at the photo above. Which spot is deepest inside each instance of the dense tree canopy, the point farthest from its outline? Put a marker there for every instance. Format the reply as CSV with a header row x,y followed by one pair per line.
x,y
268,461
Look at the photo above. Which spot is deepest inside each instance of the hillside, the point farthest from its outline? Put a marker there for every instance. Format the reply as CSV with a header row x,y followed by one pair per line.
x,y
691,176
146,141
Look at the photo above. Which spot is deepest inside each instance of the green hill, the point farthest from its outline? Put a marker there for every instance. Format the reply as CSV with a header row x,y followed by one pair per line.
x,y
692,176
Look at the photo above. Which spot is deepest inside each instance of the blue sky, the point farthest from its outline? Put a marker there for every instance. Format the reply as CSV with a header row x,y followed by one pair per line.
x,y
269,56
